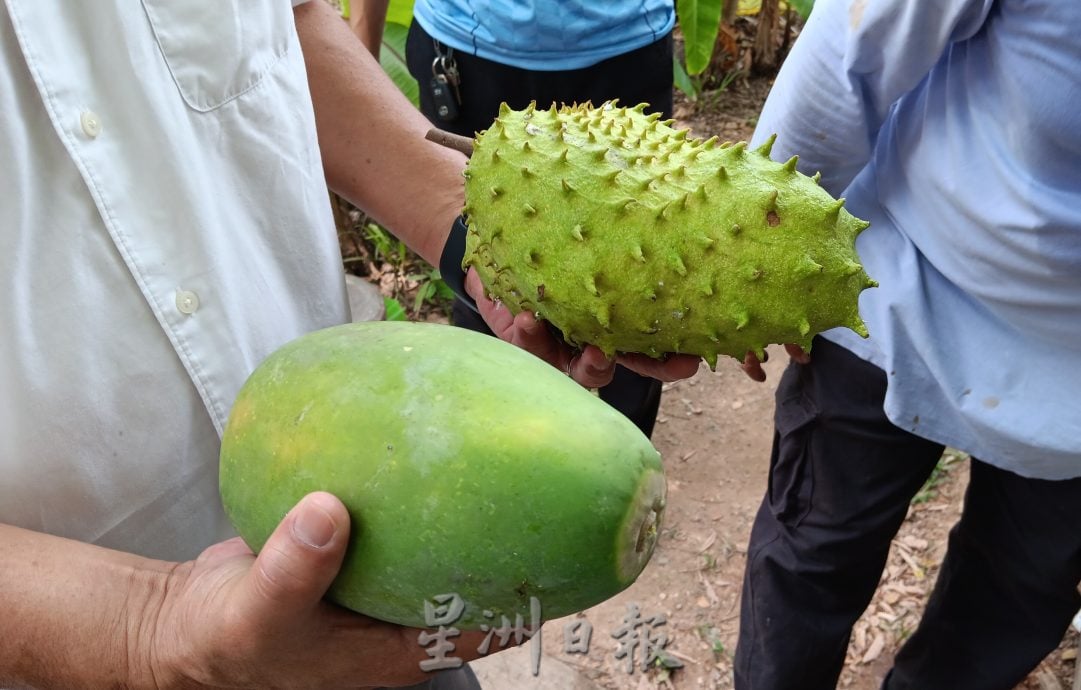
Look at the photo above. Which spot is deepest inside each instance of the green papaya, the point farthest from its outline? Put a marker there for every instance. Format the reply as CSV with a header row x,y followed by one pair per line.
x,y
468,466
633,236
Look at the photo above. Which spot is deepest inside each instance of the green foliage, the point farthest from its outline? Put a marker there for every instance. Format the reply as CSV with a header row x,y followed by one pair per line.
x,y
411,272
431,289
950,459
386,247
712,637
683,81
802,7
401,12
665,661
392,58
394,310
699,21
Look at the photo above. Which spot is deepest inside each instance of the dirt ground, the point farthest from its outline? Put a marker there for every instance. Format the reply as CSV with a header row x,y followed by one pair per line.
x,y
714,433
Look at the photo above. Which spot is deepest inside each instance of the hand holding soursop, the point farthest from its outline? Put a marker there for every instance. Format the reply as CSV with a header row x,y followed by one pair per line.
x,y
627,234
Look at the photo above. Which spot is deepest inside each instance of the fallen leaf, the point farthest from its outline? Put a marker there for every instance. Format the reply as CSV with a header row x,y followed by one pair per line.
x,y
708,543
914,542
875,650
917,571
710,592
1047,680
860,641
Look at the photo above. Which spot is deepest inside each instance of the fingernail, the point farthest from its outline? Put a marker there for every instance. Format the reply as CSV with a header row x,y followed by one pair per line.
x,y
313,524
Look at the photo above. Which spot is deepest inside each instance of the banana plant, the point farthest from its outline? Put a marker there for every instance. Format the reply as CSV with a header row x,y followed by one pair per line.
x,y
392,50
699,22
392,58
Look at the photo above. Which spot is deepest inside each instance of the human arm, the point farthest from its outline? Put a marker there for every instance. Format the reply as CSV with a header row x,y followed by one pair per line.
x,y
367,20
80,616
372,138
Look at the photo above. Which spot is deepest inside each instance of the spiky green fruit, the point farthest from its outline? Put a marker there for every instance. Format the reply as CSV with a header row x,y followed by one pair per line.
x,y
629,235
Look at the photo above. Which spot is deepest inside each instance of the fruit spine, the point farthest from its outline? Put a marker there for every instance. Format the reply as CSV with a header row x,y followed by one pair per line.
x,y
632,236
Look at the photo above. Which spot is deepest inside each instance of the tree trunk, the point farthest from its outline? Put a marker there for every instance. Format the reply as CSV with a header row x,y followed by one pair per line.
x,y
731,7
765,49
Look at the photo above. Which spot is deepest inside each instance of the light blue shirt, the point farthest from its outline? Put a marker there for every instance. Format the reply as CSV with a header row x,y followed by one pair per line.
x,y
954,126
546,36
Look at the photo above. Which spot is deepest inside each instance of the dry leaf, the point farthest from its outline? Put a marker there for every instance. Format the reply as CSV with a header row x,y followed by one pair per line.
x,y
709,542
873,652
860,637
917,571
1047,680
914,542
710,592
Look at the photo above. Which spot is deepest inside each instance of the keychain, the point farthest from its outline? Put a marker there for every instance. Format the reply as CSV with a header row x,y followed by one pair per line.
x,y
444,84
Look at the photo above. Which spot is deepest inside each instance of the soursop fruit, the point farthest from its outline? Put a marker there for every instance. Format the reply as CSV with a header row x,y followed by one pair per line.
x,y
629,235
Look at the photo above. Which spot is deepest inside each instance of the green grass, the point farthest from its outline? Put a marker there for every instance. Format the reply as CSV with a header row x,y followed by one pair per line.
x,y
949,461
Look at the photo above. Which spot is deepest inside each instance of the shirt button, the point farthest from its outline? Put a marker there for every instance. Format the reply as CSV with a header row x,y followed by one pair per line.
x,y
186,301
90,123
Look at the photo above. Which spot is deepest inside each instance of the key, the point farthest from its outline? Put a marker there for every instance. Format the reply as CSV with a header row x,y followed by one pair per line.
x,y
446,106
454,77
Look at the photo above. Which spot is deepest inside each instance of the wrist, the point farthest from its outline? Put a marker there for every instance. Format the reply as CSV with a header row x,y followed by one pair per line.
x,y
450,261
154,651
75,614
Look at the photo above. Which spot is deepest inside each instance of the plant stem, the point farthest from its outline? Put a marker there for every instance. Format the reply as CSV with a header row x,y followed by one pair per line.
x,y
450,140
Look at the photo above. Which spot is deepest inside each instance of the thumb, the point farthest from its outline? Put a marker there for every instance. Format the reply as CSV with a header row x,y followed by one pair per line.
x,y
299,561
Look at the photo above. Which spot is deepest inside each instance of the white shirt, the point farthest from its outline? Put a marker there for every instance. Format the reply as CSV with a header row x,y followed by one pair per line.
x,y
164,225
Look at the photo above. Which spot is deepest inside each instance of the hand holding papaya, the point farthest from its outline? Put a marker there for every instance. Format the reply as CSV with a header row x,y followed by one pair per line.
x,y
232,619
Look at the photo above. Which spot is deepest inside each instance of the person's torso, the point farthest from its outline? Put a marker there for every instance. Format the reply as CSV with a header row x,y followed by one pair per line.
x,y
981,165
164,225
974,198
549,36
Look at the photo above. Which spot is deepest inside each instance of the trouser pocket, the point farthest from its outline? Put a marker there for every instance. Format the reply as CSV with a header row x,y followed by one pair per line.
x,y
791,476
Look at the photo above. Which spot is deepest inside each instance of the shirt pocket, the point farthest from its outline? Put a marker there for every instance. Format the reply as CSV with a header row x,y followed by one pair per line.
x,y
216,50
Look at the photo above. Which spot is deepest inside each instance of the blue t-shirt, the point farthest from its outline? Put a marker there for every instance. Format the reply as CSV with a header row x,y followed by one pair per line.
x,y
546,36
954,126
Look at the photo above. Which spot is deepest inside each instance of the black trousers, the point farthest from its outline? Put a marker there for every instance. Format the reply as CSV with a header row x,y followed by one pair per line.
x,y
841,479
640,76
